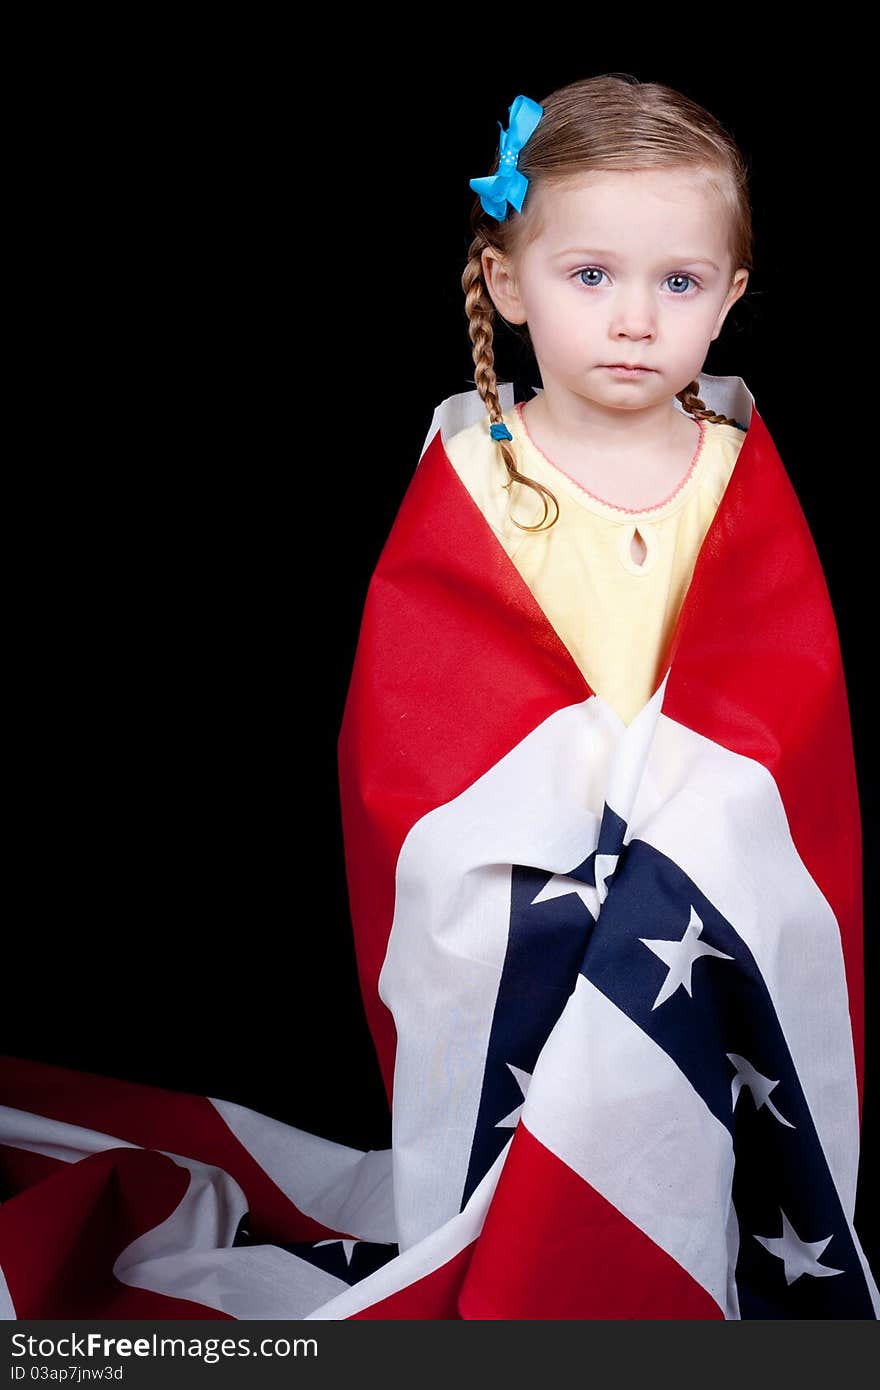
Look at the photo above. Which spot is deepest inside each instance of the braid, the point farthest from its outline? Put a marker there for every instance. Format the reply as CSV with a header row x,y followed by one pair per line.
x,y
480,312
694,406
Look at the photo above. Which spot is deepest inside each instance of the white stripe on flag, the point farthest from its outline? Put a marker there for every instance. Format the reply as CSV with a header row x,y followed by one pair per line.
x,y
719,816
539,805
343,1188
613,1106
7,1309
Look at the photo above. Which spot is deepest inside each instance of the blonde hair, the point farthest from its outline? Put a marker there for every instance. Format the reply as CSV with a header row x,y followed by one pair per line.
x,y
607,122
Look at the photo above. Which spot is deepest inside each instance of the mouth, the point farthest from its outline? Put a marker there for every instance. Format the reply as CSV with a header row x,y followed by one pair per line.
x,y
626,367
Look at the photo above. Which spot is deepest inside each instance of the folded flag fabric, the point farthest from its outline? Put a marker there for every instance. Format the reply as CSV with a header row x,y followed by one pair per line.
x,y
613,974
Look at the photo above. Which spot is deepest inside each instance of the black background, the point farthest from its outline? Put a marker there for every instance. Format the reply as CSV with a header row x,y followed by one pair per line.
x,y
245,304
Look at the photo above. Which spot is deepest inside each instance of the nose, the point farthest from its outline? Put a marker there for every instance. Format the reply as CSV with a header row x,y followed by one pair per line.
x,y
633,316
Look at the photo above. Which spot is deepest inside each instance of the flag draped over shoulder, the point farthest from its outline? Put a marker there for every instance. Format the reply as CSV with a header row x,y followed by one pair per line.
x,y
613,974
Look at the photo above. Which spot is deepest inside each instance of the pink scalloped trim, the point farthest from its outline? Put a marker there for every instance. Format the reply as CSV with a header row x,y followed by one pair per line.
x,y
630,511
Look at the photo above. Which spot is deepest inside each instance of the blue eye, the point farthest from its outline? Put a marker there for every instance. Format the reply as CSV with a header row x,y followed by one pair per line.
x,y
594,270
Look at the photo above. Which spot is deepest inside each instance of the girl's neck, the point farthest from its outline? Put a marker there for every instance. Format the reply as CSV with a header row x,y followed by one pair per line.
x,y
647,470
594,433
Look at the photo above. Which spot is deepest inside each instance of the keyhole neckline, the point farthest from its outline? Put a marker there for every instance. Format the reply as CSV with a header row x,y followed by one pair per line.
x,y
651,543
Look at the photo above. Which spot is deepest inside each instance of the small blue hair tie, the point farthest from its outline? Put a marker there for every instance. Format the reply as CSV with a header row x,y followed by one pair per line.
x,y
500,432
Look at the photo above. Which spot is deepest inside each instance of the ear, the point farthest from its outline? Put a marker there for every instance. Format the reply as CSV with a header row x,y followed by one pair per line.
x,y
737,289
502,286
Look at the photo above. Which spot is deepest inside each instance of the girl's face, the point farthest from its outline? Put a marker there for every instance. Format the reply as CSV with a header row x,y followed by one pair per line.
x,y
630,266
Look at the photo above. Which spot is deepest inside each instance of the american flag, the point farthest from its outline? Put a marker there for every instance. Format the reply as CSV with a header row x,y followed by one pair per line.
x,y
613,975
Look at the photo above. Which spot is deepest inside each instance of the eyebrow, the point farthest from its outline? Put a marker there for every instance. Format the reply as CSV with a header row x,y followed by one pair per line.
x,y
609,256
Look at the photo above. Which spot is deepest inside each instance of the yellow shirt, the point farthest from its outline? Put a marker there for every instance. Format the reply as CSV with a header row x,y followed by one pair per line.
x,y
615,616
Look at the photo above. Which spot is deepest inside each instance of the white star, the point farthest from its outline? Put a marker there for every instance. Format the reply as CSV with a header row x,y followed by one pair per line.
x,y
522,1079
680,957
347,1245
799,1256
560,885
750,1079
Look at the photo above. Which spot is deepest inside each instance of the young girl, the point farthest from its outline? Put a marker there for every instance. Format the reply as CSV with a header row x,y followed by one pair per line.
x,y
629,465
598,793
601,829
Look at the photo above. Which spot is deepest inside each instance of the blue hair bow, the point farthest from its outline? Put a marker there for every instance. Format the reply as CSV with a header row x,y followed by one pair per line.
x,y
509,185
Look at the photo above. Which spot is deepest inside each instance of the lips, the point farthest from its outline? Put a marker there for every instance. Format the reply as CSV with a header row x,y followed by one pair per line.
x,y
630,366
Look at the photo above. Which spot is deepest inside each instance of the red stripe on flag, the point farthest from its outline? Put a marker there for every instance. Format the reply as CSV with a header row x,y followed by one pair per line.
x,y
757,668
552,1247
60,1238
431,1298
